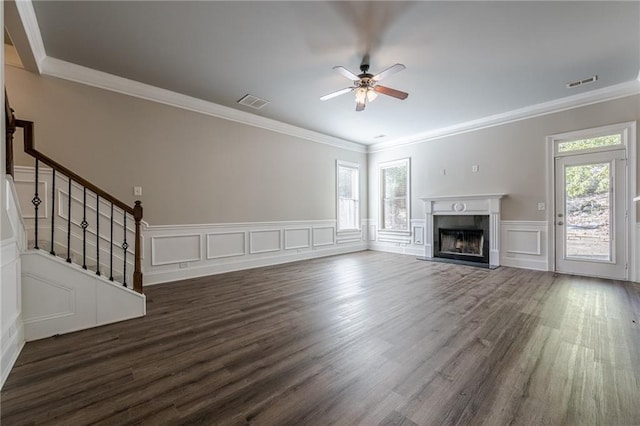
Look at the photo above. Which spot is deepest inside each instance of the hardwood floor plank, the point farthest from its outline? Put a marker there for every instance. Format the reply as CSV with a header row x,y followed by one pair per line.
x,y
365,338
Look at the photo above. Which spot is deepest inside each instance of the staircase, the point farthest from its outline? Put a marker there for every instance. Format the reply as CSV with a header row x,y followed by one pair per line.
x,y
82,264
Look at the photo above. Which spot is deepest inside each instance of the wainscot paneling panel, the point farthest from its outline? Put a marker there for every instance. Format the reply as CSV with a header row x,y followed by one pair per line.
x,y
26,191
297,238
225,244
324,236
524,244
265,241
168,249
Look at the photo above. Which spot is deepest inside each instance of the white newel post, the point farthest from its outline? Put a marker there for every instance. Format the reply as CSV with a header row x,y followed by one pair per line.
x,y
482,204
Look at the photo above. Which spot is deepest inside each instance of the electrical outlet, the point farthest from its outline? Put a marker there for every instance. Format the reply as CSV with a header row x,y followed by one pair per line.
x,y
137,190
475,168
541,206
183,265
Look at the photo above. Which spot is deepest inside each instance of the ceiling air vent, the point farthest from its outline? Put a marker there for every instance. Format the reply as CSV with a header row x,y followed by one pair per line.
x,y
584,81
253,101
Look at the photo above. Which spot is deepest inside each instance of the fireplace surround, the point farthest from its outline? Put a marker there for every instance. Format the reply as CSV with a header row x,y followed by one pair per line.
x,y
467,227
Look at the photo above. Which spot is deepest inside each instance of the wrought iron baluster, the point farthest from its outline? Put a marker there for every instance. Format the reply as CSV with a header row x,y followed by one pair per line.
x,y
36,202
111,248
53,210
125,246
69,222
97,234
84,225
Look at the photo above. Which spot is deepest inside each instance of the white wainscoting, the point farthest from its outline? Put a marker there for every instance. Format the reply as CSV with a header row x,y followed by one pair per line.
x,y
12,329
524,244
411,243
11,309
187,251
60,298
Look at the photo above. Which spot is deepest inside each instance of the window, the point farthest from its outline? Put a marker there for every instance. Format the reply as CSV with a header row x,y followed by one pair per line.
x,y
578,145
395,202
348,191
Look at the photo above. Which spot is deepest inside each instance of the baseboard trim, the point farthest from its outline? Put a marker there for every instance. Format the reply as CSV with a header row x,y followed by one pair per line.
x,y
410,250
536,265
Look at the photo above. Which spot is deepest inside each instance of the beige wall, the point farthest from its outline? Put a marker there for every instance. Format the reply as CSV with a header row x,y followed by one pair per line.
x,y
193,168
199,169
511,158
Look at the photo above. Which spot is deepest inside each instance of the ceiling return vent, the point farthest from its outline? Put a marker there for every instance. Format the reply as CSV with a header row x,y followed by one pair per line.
x,y
582,82
253,101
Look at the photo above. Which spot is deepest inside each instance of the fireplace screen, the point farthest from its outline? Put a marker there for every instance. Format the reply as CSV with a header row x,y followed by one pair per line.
x,y
467,242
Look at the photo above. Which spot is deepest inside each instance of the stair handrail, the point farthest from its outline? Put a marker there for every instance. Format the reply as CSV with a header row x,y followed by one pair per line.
x,y
136,211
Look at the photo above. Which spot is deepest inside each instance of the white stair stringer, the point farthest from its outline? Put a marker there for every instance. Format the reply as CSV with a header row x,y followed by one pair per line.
x,y
59,297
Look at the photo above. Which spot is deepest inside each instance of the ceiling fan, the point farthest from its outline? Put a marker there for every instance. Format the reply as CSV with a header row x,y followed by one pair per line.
x,y
366,85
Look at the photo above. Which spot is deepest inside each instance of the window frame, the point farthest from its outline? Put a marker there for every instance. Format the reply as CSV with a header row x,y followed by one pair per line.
x,y
406,162
590,134
355,191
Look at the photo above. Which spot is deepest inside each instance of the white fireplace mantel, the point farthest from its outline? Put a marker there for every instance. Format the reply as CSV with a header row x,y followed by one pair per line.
x,y
480,204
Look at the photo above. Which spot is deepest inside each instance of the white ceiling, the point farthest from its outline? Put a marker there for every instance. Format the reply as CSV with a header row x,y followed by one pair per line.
x,y
465,60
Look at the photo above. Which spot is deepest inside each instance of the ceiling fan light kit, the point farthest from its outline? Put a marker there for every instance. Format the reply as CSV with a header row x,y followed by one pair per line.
x,y
366,86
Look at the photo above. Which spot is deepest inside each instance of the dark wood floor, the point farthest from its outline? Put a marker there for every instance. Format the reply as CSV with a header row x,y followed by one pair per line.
x,y
367,338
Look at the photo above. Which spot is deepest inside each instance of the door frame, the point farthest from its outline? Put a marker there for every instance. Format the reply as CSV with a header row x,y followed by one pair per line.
x,y
629,142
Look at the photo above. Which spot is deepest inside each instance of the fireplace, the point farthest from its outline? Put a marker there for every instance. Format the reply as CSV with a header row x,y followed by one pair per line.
x,y
462,237
464,228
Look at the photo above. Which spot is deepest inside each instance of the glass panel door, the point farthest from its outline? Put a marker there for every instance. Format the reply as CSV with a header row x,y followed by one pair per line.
x,y
590,224
588,211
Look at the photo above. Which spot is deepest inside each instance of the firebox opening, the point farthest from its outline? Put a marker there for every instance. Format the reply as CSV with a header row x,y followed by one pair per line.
x,y
461,238
468,242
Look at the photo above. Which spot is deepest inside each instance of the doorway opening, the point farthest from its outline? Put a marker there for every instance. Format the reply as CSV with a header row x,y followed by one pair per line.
x,y
591,219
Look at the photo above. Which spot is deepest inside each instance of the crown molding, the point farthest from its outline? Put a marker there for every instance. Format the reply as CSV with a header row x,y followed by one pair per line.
x,y
616,91
79,74
32,30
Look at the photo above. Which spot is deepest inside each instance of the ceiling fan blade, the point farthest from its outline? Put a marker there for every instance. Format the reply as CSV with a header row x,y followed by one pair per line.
x,y
387,72
391,92
338,93
360,106
342,70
